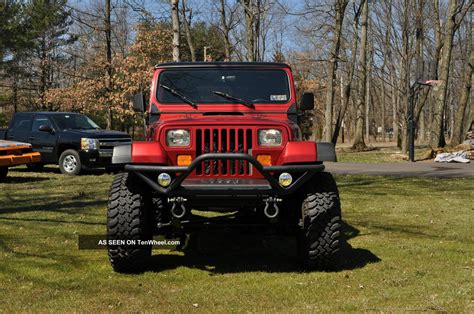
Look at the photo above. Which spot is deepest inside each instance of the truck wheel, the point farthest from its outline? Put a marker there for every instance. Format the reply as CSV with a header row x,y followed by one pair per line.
x,y
70,163
3,173
127,220
319,239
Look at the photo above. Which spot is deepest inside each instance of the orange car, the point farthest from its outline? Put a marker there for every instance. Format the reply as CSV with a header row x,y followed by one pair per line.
x,y
14,154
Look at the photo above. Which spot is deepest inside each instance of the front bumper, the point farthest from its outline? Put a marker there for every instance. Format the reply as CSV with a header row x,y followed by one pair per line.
x,y
15,154
226,185
16,160
95,158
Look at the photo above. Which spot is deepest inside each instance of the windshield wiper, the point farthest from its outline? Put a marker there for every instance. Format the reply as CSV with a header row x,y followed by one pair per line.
x,y
183,97
240,100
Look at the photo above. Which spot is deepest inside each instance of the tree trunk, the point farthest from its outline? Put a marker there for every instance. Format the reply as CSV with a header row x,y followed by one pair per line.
x,y
187,30
226,31
440,90
108,79
175,22
463,111
44,73
249,29
332,66
394,99
257,27
421,100
15,92
464,102
469,118
346,92
383,105
367,97
405,76
359,143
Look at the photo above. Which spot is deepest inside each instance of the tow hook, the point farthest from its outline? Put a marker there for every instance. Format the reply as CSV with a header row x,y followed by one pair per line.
x,y
271,209
177,209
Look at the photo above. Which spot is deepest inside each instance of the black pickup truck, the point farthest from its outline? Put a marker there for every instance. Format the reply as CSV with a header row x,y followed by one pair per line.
x,y
72,140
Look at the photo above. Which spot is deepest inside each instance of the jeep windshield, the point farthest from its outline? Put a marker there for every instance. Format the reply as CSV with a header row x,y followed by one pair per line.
x,y
207,86
74,121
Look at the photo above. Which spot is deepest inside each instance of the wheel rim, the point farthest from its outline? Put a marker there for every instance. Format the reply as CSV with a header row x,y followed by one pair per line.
x,y
70,163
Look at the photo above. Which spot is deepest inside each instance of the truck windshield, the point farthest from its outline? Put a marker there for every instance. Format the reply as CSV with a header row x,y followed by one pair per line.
x,y
250,85
74,121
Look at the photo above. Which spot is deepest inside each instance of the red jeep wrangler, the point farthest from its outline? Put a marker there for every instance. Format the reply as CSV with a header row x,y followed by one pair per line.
x,y
223,137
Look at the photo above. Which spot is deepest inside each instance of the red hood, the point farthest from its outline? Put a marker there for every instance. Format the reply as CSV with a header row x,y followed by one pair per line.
x,y
223,120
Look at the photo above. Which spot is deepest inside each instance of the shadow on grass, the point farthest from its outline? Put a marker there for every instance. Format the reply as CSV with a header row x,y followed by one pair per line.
x,y
12,180
232,251
412,184
51,221
55,170
61,206
44,170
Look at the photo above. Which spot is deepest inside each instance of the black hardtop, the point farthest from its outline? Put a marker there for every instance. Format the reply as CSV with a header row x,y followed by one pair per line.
x,y
203,64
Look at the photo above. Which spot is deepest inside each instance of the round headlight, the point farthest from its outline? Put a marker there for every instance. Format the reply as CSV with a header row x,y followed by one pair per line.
x,y
178,137
270,137
164,179
285,179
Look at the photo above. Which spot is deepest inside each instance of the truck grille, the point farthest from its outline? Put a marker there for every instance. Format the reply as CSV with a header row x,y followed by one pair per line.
x,y
106,145
224,140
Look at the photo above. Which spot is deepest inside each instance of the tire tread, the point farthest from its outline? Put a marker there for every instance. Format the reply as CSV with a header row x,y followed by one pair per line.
x,y
126,220
320,238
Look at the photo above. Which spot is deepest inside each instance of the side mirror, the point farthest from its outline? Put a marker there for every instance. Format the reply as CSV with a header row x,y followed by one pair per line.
x,y
139,103
307,101
45,128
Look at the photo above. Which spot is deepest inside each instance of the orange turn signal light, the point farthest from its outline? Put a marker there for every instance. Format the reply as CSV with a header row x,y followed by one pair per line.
x,y
184,160
265,160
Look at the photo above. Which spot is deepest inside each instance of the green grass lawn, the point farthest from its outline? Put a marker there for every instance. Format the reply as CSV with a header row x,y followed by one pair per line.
x,y
409,248
377,154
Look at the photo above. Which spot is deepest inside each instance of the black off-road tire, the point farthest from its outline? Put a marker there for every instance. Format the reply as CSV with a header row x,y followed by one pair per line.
x,y
3,173
127,219
320,237
70,163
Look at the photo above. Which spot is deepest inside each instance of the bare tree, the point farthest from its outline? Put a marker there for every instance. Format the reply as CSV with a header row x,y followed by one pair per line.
x,y
257,20
346,88
456,12
463,111
421,99
359,143
187,14
368,92
405,70
226,25
108,39
249,28
175,22
340,8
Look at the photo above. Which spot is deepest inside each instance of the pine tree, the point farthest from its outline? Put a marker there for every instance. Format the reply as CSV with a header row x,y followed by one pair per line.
x,y
50,21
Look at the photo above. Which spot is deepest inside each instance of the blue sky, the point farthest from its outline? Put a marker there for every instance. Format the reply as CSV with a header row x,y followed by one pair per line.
x,y
160,9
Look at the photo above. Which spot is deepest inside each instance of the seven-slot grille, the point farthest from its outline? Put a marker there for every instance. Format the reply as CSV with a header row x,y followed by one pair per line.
x,y
224,140
106,145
